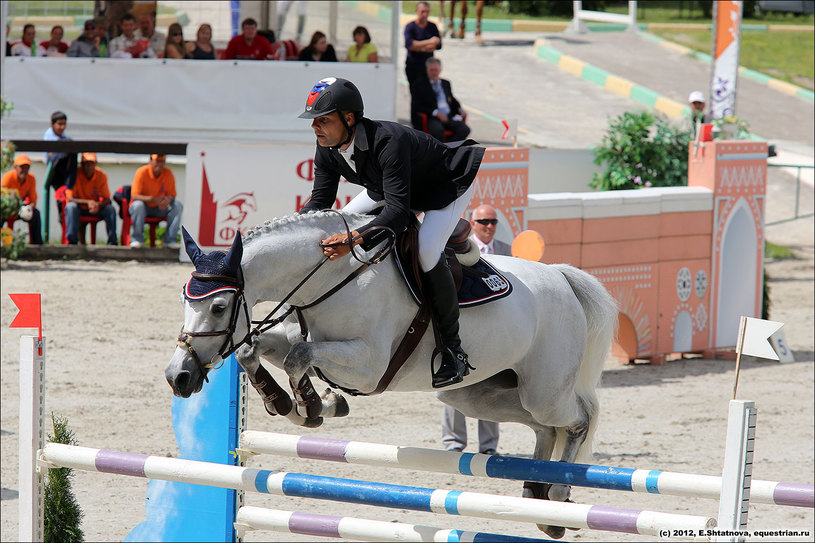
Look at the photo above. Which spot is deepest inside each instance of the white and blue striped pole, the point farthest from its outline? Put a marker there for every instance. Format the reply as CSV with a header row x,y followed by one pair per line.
x,y
522,469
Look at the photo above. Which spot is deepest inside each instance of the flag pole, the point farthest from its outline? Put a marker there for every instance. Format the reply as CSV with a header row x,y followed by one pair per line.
x,y
739,345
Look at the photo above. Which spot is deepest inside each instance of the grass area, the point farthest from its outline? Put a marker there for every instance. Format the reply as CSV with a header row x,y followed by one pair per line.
x,y
778,252
789,56
21,8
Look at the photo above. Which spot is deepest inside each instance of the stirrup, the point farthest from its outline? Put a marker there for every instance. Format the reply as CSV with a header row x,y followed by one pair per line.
x,y
454,367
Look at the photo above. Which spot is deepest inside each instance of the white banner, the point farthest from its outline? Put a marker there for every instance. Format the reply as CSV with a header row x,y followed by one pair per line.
x,y
233,187
179,100
725,66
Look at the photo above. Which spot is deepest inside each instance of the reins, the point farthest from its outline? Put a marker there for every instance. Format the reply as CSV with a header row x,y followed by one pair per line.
x,y
229,346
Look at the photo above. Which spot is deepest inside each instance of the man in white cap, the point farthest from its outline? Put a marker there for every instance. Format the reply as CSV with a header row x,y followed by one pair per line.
x,y
696,100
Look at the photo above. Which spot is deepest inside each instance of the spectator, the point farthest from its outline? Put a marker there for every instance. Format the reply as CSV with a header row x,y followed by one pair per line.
x,y
153,195
90,197
201,48
421,39
128,44
283,9
25,184
454,424
147,30
25,47
248,45
87,44
53,47
696,100
8,43
63,165
102,36
318,49
362,50
433,96
175,47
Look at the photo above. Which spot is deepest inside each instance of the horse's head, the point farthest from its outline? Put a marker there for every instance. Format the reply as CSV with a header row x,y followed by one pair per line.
x,y
213,303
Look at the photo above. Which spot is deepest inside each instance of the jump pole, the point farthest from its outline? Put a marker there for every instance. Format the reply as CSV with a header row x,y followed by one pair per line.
x,y
288,522
525,469
377,494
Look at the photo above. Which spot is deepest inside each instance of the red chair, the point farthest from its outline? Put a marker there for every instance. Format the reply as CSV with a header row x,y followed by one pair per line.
x,y
84,220
122,197
10,222
447,133
285,50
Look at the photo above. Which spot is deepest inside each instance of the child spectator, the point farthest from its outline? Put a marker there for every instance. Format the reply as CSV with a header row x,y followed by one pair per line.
x,y
318,50
24,183
362,50
87,44
89,197
53,47
25,47
63,165
248,45
175,48
128,44
201,48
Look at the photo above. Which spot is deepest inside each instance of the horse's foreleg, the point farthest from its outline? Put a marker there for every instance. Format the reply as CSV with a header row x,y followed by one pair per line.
x,y
270,345
441,16
463,26
336,356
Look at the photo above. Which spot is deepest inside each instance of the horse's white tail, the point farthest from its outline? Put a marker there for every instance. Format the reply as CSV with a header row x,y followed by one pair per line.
x,y
601,311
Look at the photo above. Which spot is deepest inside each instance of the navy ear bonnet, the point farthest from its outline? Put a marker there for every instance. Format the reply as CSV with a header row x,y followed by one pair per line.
x,y
216,272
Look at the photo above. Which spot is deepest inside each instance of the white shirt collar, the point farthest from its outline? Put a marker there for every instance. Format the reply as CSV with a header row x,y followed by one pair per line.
x,y
348,153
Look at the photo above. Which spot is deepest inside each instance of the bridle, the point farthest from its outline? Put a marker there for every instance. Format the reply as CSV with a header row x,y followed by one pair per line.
x,y
229,346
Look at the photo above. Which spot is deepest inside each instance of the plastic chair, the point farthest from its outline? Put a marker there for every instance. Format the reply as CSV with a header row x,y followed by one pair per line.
x,y
122,197
447,133
84,220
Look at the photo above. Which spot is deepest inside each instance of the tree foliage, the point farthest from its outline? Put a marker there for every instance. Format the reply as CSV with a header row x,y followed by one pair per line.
x,y
63,515
642,149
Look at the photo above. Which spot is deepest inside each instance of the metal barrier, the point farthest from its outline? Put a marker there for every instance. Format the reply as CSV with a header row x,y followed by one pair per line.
x,y
797,191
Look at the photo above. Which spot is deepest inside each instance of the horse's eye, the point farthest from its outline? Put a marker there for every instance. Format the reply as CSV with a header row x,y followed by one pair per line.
x,y
218,309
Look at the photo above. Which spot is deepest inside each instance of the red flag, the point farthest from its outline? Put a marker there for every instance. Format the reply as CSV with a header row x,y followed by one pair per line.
x,y
30,315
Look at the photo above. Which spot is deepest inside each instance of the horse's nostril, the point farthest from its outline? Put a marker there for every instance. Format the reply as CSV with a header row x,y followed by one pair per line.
x,y
181,381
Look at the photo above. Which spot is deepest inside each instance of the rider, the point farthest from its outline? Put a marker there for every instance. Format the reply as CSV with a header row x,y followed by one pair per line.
x,y
411,172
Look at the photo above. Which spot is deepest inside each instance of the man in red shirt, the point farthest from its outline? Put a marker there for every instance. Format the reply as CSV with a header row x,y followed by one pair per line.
x,y
26,186
153,195
248,45
90,196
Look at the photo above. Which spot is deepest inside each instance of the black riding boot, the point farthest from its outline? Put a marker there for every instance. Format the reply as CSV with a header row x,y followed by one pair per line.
x,y
441,289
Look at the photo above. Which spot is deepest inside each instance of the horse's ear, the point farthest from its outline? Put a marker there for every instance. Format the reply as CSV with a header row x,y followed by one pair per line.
x,y
235,254
193,250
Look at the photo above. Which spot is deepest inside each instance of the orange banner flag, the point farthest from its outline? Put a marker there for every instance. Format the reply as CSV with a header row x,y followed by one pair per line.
x,y
30,315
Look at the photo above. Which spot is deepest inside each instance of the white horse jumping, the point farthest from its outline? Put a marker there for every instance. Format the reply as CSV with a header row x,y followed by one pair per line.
x,y
538,352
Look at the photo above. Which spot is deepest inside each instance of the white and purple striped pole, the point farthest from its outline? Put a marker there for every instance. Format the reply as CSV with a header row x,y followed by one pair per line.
x,y
522,469
288,522
377,494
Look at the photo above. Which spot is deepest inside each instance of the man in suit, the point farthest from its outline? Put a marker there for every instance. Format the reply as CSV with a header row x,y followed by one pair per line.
x,y
433,96
484,221
408,170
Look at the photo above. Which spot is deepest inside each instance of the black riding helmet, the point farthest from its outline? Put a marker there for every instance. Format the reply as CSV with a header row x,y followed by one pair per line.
x,y
333,94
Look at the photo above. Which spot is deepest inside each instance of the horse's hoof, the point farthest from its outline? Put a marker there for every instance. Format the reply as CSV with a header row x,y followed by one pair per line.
x,y
271,412
342,408
313,423
555,532
335,404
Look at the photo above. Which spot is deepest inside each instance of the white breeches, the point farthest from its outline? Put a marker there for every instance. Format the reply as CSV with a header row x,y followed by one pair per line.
x,y
436,227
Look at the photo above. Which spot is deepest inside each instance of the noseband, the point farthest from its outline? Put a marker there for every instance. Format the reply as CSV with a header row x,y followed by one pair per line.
x,y
229,346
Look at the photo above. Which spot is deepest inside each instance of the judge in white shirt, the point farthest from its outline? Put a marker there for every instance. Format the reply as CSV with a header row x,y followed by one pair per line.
x,y
484,221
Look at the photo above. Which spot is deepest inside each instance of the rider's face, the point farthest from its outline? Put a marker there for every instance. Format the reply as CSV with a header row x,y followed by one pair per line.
x,y
329,129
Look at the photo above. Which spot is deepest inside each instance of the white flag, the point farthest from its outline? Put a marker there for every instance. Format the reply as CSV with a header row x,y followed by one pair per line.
x,y
755,340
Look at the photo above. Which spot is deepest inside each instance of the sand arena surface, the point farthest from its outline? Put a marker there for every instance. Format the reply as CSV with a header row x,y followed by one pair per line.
x,y
111,327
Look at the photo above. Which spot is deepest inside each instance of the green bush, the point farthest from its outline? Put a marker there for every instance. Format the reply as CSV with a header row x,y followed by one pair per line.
x,y
641,149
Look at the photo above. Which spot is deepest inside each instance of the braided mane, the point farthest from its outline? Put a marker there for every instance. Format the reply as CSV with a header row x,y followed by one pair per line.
x,y
291,222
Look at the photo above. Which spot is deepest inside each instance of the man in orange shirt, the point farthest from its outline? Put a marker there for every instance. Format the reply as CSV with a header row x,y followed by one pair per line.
x,y
89,197
26,186
153,195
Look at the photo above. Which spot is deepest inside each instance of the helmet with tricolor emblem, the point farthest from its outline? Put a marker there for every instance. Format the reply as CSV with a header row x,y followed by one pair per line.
x,y
332,94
